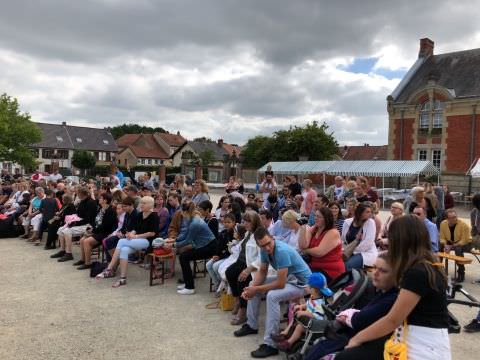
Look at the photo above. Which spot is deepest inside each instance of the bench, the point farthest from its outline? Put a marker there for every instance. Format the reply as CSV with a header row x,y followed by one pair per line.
x,y
458,260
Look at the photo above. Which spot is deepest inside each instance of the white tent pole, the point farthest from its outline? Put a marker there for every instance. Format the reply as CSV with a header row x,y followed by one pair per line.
x,y
418,179
324,183
383,192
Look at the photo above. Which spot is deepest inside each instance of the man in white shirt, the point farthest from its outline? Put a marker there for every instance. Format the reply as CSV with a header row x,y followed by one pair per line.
x,y
266,218
55,176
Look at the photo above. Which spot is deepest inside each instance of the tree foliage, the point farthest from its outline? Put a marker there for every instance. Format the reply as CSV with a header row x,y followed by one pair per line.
x,y
206,157
120,130
83,160
312,141
17,133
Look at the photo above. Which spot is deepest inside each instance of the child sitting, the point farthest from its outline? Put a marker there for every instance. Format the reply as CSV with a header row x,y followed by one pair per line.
x,y
221,252
317,287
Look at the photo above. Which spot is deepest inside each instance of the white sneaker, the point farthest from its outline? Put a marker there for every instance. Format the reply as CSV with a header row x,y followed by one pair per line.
x,y
186,292
181,287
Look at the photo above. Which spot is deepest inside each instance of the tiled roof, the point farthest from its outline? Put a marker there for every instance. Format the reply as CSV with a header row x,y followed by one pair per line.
x,y
363,152
172,139
201,146
230,148
127,139
145,146
75,137
456,71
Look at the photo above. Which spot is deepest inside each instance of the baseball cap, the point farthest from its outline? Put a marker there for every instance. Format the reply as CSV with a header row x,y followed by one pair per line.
x,y
318,281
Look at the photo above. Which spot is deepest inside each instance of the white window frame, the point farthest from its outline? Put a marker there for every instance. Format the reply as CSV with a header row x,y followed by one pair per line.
x,y
422,154
437,121
424,122
436,152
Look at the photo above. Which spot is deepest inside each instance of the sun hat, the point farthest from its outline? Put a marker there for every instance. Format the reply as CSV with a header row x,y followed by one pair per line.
x,y
318,281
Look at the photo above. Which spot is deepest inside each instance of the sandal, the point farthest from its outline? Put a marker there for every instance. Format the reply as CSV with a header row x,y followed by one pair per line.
x,y
37,242
120,282
107,273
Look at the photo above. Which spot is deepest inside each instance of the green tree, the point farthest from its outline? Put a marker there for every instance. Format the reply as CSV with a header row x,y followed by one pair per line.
x,y
206,157
258,151
83,160
120,130
312,141
17,133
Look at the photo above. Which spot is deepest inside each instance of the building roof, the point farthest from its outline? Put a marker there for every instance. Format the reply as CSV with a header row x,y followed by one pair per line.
x,y
62,136
456,71
201,146
127,139
172,139
363,152
144,146
231,148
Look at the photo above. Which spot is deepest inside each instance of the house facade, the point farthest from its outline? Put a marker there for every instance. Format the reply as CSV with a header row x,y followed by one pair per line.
x,y
148,149
224,159
433,113
60,141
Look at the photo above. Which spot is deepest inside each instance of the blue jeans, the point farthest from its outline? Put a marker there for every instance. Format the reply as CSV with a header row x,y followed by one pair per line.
x,y
128,247
478,316
212,268
273,300
355,262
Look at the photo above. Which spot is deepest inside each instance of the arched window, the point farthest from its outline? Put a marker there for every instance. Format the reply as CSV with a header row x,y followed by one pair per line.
x,y
425,115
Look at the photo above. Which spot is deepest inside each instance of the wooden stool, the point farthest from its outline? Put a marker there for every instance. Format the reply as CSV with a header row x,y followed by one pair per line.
x,y
158,268
458,260
199,271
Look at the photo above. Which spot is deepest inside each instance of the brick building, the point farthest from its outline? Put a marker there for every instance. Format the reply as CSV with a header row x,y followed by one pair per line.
x,y
433,113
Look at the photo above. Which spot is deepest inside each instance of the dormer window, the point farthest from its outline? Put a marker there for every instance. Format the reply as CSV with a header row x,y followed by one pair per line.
x,y
59,139
79,140
105,142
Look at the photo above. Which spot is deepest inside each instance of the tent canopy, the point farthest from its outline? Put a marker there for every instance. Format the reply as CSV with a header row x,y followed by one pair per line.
x,y
474,170
377,168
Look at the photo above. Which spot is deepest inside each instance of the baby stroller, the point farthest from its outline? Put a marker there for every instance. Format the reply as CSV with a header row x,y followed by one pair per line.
x,y
347,289
454,288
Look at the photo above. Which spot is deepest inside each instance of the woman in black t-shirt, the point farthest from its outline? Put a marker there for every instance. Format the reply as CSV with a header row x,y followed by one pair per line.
x,y
422,299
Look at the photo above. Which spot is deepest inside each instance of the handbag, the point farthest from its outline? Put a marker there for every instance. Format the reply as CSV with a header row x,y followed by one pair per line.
x,y
350,247
226,301
396,348
97,268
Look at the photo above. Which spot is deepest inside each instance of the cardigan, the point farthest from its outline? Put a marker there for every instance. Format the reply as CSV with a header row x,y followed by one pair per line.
x,y
366,247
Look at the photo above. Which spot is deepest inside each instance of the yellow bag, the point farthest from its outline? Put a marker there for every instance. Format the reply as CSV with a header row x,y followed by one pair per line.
x,y
226,302
396,349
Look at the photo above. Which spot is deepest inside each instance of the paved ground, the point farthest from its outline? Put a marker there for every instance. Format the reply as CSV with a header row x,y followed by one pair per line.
x,y
49,310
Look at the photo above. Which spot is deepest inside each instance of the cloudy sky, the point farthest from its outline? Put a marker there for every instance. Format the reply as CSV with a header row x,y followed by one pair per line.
x,y
223,68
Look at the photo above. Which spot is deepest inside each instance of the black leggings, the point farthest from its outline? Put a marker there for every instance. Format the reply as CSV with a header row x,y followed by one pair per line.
x,y
232,274
372,350
52,234
205,252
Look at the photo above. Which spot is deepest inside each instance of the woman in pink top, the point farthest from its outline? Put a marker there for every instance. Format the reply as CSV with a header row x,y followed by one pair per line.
x,y
309,197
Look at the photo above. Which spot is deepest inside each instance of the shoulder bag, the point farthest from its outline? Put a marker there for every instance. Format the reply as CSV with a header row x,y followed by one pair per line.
x,y
396,347
350,248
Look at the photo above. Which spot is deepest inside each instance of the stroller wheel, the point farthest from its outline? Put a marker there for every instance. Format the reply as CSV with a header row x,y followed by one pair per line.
x,y
294,356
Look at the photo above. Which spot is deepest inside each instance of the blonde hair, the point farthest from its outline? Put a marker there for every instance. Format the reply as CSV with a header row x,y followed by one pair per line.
x,y
203,186
397,205
289,216
148,200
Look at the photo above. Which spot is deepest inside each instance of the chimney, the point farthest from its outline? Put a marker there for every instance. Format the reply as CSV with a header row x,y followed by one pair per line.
x,y
64,123
178,133
220,142
426,48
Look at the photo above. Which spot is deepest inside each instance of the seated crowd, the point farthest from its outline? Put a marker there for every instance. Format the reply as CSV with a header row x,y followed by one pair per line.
x,y
280,244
